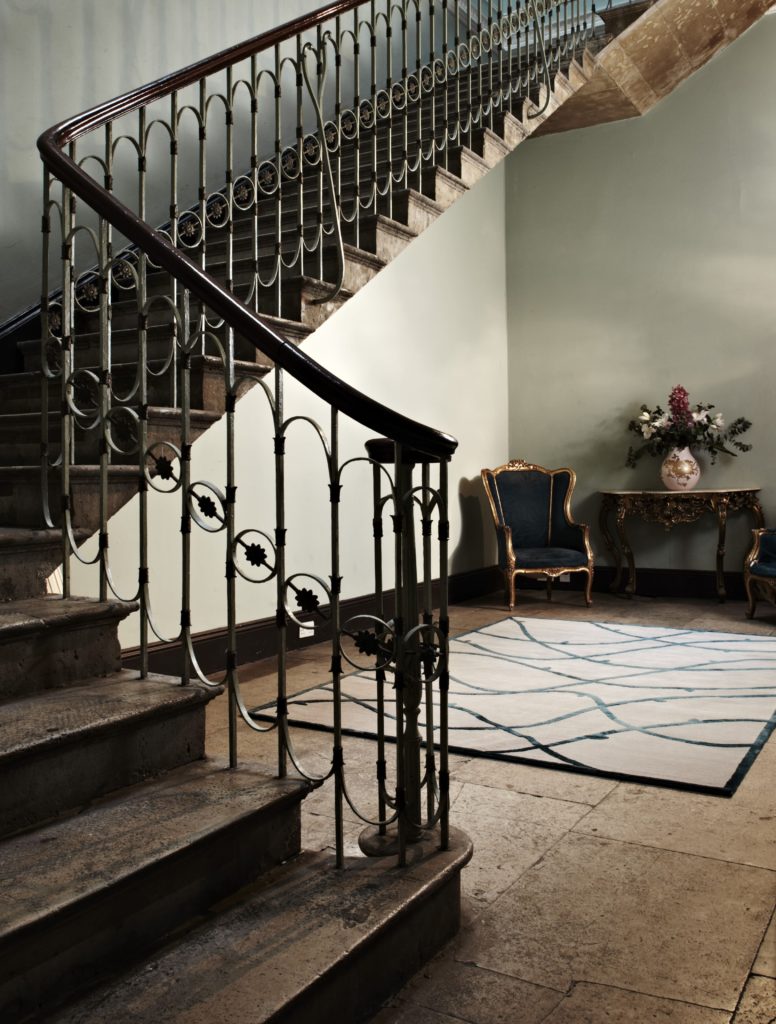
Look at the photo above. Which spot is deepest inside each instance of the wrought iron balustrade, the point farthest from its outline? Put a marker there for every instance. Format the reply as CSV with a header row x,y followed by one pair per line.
x,y
261,164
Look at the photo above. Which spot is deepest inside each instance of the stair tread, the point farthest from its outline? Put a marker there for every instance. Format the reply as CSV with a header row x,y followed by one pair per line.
x,y
260,952
34,614
29,725
58,867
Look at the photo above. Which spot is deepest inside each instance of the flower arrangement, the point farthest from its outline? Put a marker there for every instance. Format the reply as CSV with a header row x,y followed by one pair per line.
x,y
685,427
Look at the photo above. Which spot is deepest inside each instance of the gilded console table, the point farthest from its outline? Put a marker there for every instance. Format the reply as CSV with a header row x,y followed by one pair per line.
x,y
669,508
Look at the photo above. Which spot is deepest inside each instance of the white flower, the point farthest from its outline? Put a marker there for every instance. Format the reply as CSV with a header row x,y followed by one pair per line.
x,y
661,421
719,422
645,417
647,430
701,416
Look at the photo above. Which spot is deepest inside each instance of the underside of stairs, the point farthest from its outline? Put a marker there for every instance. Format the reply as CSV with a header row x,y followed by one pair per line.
x,y
145,882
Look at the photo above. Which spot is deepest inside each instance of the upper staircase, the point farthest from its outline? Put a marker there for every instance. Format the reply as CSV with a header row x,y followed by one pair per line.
x,y
196,232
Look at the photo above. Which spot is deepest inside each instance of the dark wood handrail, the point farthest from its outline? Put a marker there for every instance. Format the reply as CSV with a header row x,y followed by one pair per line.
x,y
243,320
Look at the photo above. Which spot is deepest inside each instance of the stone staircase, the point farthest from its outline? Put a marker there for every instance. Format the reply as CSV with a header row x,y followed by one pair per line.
x,y
119,839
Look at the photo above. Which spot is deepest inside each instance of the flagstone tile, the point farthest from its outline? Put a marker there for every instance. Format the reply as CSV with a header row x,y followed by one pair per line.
x,y
593,1004
522,778
401,1013
510,832
665,924
766,957
758,1003
479,996
734,829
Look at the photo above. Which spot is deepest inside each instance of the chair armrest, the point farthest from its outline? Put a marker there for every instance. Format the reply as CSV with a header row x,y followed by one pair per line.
x,y
504,534
763,547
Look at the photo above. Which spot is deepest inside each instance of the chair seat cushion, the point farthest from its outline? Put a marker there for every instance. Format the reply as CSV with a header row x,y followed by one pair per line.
x,y
764,569
548,558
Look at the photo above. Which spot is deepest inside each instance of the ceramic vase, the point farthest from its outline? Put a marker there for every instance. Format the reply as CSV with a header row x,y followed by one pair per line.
x,y
680,470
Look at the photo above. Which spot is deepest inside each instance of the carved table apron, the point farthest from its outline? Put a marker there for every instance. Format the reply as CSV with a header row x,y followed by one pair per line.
x,y
669,508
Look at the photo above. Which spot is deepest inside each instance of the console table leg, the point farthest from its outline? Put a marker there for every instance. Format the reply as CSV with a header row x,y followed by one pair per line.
x,y
722,519
612,548
630,586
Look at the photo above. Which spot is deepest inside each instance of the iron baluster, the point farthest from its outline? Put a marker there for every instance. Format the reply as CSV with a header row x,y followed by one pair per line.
x,y
66,446
322,142
281,617
228,199
298,142
444,678
231,575
399,628
336,661
428,619
374,186
174,205
46,373
278,186
402,177
377,529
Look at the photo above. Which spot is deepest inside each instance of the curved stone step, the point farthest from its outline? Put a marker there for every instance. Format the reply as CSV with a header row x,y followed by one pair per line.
x,y
306,945
98,889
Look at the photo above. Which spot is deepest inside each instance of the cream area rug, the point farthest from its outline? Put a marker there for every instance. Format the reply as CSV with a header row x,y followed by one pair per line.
x,y
677,707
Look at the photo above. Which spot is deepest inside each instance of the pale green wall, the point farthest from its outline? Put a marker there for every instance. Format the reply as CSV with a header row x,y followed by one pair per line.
x,y
427,337
59,57
641,255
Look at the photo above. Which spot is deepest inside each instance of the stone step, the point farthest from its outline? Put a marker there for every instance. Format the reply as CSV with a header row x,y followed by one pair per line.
x,y
21,503
306,945
62,749
101,888
490,146
444,187
27,559
384,237
305,299
20,392
20,434
51,642
415,210
467,165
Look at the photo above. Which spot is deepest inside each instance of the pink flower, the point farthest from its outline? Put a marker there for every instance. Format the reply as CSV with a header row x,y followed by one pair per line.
x,y
679,404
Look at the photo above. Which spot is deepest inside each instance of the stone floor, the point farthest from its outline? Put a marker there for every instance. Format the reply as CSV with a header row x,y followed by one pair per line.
x,y
588,900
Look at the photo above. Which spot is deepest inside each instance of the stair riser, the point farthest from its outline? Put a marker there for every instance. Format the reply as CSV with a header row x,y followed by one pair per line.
x,y
62,779
386,239
20,501
57,657
413,209
23,572
45,964
444,187
382,966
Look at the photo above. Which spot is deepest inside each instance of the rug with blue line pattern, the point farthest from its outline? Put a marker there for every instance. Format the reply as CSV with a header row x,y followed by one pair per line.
x,y
677,707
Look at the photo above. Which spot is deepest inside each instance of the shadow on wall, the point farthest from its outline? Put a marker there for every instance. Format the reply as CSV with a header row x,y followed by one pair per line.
x,y
476,547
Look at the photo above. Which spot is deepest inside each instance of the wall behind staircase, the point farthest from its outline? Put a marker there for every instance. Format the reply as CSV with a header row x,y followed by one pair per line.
x,y
428,337
641,255
58,58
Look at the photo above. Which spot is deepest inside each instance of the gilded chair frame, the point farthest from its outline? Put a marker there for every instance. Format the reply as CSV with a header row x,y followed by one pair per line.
x,y
757,587
548,573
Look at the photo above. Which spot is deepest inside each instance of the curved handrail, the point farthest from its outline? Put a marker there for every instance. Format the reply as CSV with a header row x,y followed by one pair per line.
x,y
240,317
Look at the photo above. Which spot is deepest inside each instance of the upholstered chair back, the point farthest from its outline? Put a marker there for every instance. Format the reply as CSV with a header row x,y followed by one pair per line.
x,y
533,504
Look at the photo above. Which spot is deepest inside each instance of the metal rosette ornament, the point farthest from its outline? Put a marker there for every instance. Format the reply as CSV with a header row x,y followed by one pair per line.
x,y
371,638
207,513
306,601
161,467
257,549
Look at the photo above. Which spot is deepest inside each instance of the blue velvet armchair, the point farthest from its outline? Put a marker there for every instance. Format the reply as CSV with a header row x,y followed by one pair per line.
x,y
760,569
536,533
